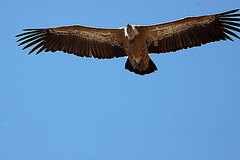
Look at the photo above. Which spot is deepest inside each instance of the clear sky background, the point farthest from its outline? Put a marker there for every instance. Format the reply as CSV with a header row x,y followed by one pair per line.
x,y
57,106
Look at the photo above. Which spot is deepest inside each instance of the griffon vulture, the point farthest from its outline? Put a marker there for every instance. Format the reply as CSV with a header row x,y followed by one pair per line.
x,y
134,41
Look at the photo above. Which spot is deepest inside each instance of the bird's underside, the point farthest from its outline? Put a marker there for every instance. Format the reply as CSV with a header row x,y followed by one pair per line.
x,y
132,41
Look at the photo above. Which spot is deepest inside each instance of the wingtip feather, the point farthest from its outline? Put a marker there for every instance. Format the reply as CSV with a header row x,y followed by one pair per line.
x,y
229,12
33,29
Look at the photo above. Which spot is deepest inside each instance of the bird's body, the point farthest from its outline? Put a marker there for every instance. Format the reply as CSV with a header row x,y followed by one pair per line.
x,y
137,51
132,41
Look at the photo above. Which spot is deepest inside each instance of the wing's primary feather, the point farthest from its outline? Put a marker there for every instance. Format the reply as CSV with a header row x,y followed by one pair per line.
x,y
191,31
79,40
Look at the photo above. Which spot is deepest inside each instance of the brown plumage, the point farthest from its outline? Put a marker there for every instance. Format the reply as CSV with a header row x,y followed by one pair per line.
x,y
135,42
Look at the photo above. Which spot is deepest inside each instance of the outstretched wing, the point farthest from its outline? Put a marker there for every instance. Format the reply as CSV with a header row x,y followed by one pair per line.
x,y
78,40
191,31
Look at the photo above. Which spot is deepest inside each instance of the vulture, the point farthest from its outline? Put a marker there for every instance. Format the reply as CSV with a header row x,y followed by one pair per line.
x,y
135,42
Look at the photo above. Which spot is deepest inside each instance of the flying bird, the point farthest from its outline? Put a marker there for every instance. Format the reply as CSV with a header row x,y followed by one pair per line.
x,y
135,42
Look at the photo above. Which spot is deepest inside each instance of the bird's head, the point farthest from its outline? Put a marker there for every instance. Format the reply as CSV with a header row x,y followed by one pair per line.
x,y
130,32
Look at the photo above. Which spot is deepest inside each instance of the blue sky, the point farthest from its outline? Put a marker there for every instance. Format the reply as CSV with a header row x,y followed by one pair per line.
x,y
59,106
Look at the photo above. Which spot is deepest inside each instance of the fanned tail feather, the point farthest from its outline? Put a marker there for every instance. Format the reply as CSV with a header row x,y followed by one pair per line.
x,y
151,68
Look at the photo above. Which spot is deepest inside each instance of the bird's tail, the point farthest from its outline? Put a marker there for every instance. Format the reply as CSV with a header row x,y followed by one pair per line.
x,y
151,68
